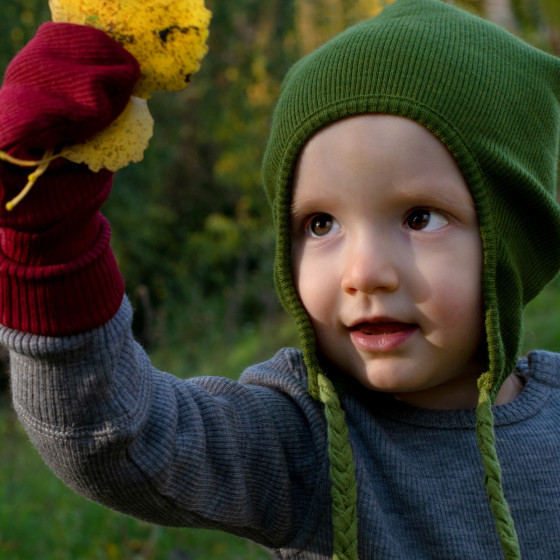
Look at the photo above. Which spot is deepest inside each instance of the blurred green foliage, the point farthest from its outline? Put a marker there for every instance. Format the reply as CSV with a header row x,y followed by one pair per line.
x,y
19,21
192,232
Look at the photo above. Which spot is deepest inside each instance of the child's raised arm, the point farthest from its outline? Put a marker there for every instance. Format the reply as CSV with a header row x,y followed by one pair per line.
x,y
207,452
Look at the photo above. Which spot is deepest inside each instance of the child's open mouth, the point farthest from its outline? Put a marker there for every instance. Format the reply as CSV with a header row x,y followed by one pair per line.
x,y
381,336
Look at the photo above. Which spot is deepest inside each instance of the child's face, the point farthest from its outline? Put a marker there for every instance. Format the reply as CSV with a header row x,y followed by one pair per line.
x,y
387,259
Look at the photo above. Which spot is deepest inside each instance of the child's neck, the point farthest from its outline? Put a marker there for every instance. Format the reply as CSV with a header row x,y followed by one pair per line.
x,y
465,398
510,390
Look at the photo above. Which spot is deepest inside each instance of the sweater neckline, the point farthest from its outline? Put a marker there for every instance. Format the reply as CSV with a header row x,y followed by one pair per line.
x,y
529,402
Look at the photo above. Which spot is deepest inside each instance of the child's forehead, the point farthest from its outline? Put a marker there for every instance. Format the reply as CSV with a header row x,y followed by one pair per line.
x,y
351,134
398,148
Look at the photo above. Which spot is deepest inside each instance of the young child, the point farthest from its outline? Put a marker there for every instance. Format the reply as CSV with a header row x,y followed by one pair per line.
x,y
411,170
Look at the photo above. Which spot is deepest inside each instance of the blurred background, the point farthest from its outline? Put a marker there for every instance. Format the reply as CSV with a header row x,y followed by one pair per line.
x,y
192,234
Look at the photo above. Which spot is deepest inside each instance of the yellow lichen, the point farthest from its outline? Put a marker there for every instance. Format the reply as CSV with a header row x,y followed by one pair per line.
x,y
167,38
121,143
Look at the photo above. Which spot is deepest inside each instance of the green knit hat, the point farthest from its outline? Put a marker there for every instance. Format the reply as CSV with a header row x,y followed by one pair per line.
x,y
494,101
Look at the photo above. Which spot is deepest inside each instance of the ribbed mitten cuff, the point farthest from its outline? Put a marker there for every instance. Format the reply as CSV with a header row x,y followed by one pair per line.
x,y
61,278
62,298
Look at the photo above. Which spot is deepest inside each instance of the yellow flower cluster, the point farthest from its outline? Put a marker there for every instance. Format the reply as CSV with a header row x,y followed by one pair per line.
x,y
167,38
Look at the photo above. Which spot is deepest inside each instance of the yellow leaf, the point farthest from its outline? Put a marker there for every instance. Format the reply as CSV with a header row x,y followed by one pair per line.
x,y
112,551
121,143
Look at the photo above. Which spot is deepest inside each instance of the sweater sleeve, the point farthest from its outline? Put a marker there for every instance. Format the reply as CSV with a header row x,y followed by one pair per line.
x,y
205,452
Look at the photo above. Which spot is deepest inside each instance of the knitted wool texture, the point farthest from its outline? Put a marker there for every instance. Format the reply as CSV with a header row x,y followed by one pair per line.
x,y
494,102
58,274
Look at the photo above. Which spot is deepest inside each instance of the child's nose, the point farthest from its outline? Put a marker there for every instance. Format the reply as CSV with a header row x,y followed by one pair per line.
x,y
370,266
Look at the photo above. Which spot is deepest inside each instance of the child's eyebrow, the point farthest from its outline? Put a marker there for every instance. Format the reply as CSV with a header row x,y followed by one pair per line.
x,y
433,194
439,195
294,210
297,207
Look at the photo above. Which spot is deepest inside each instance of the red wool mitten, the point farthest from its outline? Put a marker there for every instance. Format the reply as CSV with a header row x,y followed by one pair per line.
x,y
58,274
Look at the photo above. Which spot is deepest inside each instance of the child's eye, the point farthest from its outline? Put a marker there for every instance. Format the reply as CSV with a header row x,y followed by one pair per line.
x,y
424,219
322,224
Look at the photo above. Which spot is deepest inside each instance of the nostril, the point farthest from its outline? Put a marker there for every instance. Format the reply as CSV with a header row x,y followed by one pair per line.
x,y
370,275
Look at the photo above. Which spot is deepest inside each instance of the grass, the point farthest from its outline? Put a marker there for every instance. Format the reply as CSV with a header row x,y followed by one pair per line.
x,y
542,320
254,345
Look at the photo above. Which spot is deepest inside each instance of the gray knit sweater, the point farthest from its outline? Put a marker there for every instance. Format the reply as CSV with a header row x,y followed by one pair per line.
x,y
250,457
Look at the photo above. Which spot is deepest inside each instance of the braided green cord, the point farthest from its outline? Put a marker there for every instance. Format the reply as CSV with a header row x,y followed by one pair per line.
x,y
344,490
493,476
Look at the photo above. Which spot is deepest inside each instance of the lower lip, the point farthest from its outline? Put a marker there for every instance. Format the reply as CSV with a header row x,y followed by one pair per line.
x,y
384,340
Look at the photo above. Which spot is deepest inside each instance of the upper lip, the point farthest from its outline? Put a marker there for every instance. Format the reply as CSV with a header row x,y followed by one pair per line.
x,y
379,322
374,320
